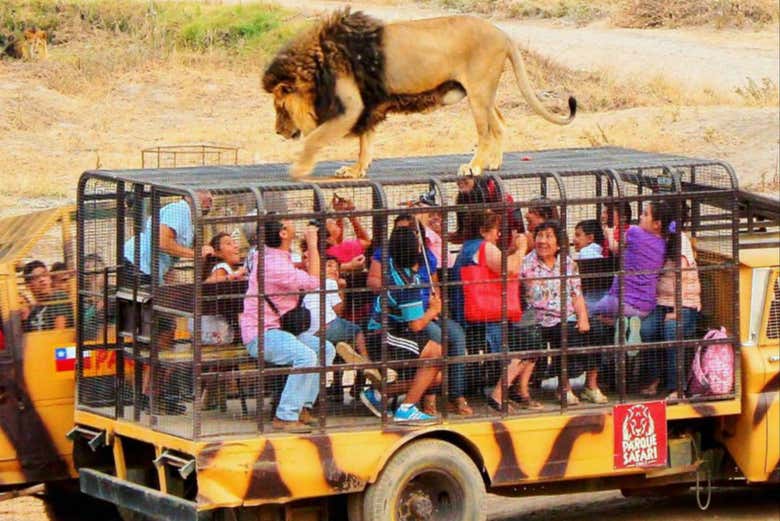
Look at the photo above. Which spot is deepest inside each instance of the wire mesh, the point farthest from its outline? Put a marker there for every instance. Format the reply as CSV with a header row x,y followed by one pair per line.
x,y
189,273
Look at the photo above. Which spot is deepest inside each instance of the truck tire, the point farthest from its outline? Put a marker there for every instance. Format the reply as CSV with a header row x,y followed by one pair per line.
x,y
429,480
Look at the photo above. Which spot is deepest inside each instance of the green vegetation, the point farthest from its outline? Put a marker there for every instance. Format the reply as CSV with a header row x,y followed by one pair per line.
x,y
162,25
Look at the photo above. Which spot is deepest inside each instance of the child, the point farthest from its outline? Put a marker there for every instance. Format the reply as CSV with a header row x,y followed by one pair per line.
x,y
644,252
338,331
610,217
588,238
214,329
221,265
663,322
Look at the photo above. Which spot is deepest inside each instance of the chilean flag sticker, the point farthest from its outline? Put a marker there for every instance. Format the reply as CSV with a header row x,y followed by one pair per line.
x,y
65,358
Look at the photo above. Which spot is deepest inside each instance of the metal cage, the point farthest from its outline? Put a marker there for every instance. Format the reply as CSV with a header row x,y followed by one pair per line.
x,y
151,352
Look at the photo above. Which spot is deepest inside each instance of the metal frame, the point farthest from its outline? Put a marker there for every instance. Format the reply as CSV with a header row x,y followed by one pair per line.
x,y
613,169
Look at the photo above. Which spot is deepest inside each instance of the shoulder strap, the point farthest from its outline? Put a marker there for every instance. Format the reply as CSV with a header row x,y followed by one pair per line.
x,y
483,254
273,306
276,310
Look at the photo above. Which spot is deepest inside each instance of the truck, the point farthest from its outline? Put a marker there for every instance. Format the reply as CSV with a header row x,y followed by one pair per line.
x,y
223,459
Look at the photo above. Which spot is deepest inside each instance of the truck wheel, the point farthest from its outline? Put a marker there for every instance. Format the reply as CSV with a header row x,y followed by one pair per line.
x,y
428,480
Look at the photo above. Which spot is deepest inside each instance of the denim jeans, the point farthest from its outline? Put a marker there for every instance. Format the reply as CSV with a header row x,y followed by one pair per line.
x,y
283,348
341,330
656,328
456,346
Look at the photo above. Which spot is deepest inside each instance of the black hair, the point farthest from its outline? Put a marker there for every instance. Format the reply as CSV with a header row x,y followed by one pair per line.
x,y
548,211
625,212
403,217
665,212
404,247
468,220
32,266
212,260
555,226
272,231
592,227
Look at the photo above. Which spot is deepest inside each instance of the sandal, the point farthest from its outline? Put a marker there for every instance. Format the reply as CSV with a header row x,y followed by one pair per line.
x,y
460,407
650,391
524,401
510,409
571,398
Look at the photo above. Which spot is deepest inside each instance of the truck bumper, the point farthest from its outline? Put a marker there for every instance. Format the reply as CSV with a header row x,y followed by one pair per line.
x,y
132,496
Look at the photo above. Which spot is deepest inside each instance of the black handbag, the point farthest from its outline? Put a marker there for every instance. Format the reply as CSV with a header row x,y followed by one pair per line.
x,y
295,321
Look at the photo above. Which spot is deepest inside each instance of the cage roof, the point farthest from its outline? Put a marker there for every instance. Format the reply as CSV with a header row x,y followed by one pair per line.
x,y
412,168
18,234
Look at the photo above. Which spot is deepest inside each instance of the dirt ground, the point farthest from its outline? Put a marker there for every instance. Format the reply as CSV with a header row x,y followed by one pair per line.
x,y
726,504
48,138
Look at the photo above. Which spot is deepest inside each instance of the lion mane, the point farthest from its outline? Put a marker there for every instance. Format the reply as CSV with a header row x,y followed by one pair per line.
x,y
347,73
350,44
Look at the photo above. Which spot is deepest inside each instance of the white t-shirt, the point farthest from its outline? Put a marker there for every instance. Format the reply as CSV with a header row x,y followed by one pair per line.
x,y
312,303
591,251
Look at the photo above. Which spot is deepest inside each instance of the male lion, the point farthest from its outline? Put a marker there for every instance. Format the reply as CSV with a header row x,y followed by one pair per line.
x,y
31,46
346,74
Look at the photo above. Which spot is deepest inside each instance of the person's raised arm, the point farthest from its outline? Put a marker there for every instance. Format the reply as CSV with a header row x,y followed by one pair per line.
x,y
360,232
169,245
374,280
513,262
310,236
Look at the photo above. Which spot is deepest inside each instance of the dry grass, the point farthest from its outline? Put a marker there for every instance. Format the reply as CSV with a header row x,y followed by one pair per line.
x,y
578,11
122,83
631,13
674,13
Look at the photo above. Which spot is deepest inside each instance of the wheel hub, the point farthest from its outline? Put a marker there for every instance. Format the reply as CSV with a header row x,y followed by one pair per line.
x,y
420,506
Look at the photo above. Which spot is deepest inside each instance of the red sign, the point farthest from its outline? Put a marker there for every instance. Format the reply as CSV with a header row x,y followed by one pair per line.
x,y
640,435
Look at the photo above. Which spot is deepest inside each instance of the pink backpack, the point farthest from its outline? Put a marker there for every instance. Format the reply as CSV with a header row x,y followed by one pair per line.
x,y
712,370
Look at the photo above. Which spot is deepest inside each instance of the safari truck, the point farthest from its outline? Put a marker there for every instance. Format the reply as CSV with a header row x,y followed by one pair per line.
x,y
36,364
184,429
37,361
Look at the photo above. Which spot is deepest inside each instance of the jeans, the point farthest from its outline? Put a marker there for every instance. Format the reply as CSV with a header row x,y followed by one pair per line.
x,y
341,330
283,348
609,305
656,328
456,346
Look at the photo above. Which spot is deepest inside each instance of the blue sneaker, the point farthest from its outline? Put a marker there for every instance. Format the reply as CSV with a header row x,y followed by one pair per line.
x,y
410,413
372,399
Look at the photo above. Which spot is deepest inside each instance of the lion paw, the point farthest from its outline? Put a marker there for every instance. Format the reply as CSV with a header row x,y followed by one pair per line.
x,y
468,170
350,172
299,170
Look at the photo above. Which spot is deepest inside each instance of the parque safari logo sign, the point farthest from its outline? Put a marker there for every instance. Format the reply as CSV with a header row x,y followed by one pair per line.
x,y
640,435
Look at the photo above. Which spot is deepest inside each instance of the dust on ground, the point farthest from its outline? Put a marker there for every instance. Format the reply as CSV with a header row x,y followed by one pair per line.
x,y
762,504
48,138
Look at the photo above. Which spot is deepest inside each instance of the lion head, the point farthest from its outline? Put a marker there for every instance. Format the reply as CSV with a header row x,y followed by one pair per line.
x,y
302,76
638,423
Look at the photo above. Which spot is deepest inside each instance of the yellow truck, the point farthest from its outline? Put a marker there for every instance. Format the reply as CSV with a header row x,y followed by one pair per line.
x,y
181,426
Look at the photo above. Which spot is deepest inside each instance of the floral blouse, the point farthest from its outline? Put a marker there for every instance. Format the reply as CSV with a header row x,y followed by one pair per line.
x,y
544,296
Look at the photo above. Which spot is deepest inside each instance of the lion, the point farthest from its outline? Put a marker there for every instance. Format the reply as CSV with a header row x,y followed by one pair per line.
x,y
343,76
32,45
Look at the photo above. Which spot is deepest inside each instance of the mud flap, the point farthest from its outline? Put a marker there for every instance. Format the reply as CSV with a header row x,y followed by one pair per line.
x,y
138,498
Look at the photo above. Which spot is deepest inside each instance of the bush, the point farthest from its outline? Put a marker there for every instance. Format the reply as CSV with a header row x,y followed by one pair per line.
x,y
674,13
165,25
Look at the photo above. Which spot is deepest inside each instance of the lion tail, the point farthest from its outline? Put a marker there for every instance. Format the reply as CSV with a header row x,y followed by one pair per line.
x,y
525,87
